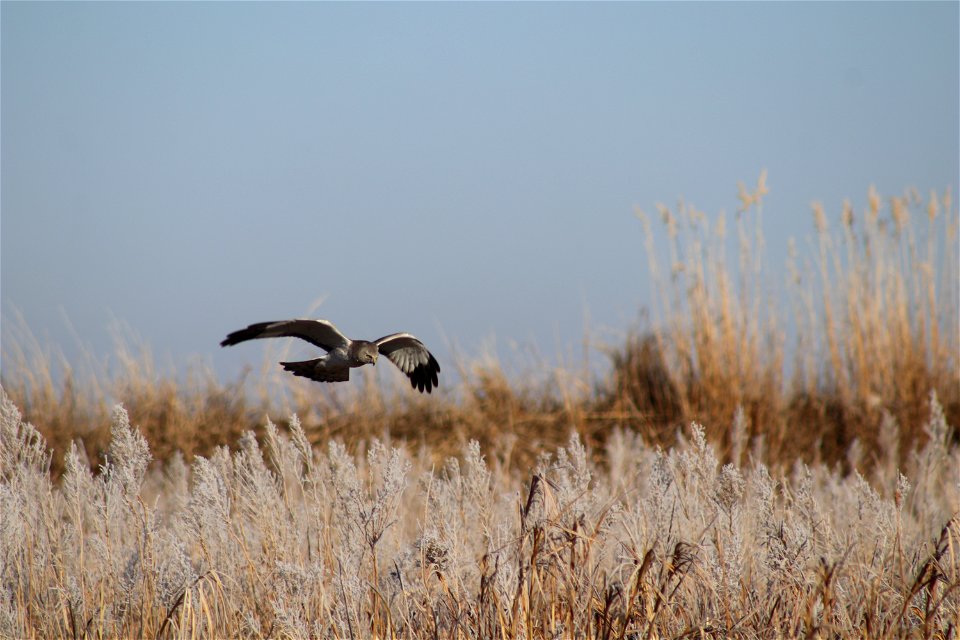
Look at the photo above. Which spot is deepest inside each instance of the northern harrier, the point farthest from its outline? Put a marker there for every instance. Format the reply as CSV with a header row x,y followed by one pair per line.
x,y
402,349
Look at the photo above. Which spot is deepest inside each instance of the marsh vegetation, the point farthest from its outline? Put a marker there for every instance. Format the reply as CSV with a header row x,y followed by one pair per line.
x,y
754,464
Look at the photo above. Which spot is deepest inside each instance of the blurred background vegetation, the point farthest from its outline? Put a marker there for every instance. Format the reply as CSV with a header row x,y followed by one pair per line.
x,y
834,365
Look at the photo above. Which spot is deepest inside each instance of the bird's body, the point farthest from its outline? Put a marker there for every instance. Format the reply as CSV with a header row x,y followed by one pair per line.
x,y
336,365
402,349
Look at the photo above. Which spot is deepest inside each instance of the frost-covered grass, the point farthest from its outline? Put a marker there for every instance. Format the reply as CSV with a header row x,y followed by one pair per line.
x,y
280,539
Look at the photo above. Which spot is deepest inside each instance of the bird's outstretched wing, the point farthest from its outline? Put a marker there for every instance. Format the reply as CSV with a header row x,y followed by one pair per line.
x,y
412,358
317,332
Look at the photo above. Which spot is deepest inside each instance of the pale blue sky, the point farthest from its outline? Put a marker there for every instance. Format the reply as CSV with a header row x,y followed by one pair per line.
x,y
459,171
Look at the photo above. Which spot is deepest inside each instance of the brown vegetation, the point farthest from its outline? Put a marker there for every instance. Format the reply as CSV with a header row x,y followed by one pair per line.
x,y
873,314
560,508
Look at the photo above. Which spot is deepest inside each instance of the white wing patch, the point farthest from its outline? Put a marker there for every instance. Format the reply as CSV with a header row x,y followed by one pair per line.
x,y
409,358
412,358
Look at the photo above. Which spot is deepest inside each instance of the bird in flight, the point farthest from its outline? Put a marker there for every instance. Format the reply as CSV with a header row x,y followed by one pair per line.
x,y
402,349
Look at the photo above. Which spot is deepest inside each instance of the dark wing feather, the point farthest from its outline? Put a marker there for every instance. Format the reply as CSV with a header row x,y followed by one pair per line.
x,y
411,357
317,332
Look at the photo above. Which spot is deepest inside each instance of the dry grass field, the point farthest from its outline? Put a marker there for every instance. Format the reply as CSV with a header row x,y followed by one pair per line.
x,y
767,460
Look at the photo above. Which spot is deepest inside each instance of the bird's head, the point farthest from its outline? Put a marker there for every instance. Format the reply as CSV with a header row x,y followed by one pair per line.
x,y
369,353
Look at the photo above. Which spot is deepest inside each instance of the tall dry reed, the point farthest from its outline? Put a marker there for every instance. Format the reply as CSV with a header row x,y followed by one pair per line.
x,y
857,326
866,324
280,539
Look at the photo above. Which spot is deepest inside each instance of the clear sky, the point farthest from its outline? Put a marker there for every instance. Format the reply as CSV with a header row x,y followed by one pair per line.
x,y
459,171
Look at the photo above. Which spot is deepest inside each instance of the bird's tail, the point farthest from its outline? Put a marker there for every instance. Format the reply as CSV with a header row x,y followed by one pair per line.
x,y
309,369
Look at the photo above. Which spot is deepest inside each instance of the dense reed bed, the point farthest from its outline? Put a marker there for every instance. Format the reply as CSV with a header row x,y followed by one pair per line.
x,y
765,459
283,540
